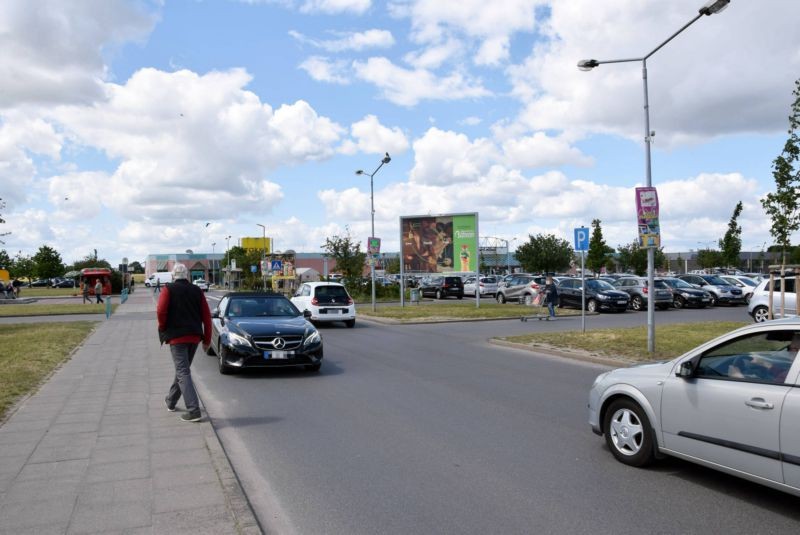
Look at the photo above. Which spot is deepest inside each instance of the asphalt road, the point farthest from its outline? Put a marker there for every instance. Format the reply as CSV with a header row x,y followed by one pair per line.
x,y
430,429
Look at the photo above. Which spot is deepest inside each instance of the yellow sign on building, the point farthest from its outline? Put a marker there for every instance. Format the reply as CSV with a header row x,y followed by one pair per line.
x,y
257,244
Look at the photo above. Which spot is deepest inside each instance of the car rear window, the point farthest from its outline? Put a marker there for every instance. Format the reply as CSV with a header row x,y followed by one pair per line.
x,y
452,280
330,291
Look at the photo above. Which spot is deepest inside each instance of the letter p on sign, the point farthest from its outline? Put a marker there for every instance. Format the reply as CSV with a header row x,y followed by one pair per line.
x,y
582,239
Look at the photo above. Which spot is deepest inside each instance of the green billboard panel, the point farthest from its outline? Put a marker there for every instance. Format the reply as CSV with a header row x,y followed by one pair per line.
x,y
439,244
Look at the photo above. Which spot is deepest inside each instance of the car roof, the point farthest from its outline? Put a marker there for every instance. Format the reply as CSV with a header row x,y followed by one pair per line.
x,y
254,294
324,283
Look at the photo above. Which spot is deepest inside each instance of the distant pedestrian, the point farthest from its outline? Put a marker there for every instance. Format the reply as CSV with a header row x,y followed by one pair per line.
x,y
85,292
98,291
17,284
184,320
550,296
158,286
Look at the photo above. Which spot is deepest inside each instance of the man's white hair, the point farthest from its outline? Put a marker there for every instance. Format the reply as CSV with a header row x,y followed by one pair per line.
x,y
180,272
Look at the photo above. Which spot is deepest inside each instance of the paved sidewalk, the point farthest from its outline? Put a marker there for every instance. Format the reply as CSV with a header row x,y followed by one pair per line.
x,y
95,450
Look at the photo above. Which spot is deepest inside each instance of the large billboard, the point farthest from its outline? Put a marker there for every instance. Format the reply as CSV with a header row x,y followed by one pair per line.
x,y
257,244
439,244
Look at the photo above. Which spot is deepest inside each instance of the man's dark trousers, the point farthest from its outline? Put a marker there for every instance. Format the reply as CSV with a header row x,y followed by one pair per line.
x,y
182,356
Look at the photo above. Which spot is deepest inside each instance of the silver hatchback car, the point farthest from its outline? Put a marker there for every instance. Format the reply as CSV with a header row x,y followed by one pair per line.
x,y
731,404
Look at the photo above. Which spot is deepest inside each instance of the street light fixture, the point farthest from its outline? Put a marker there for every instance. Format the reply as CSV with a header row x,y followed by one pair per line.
x,y
386,159
710,8
264,258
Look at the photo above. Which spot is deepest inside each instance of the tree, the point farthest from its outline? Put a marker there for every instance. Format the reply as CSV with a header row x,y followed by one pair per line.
x,y
88,261
5,260
348,257
783,206
135,267
731,244
597,257
707,258
545,253
391,265
632,257
23,266
2,221
48,263
244,259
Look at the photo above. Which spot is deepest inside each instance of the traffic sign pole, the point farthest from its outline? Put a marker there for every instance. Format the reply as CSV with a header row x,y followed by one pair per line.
x,y
582,245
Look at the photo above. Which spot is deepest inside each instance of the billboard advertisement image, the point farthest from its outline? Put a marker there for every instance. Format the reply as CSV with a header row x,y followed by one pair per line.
x,y
647,216
439,244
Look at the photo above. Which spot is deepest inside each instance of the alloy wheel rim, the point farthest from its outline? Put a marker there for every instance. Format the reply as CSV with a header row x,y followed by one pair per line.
x,y
627,432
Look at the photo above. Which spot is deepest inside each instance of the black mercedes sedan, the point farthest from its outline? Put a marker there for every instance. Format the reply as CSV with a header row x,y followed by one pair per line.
x,y
686,295
262,330
599,295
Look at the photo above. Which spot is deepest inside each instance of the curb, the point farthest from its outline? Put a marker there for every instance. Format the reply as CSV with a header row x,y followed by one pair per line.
x,y
582,356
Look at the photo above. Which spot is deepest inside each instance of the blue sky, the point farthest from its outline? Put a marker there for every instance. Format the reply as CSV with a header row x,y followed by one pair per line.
x,y
126,126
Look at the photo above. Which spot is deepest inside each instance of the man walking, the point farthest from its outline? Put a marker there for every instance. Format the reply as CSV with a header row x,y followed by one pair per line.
x,y
184,320
98,291
550,297
85,292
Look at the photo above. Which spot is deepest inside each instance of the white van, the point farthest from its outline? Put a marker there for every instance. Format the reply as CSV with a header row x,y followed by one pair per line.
x,y
163,276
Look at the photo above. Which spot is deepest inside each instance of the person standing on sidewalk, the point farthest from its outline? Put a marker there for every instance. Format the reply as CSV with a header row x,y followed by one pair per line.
x,y
98,291
85,292
184,320
550,296
158,286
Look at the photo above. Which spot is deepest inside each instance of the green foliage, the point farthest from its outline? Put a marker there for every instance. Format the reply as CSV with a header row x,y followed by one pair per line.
x,y
783,205
48,263
5,260
23,266
135,267
706,258
348,257
633,258
545,253
245,259
599,251
89,261
392,265
731,244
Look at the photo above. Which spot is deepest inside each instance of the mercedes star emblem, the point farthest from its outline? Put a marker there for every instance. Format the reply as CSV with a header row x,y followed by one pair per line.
x,y
279,343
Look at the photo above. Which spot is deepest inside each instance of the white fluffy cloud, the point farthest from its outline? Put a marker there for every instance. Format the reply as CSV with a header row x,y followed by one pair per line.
x,y
345,41
53,55
372,137
331,7
407,87
445,157
190,144
323,69
541,150
692,87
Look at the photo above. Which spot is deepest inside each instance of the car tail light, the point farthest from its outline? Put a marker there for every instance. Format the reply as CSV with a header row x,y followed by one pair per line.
x,y
645,289
534,286
314,301
349,300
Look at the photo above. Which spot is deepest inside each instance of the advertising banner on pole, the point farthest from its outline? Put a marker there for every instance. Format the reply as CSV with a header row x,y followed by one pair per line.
x,y
647,215
439,244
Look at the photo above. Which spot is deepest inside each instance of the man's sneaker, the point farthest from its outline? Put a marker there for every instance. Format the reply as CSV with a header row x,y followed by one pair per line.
x,y
170,408
191,416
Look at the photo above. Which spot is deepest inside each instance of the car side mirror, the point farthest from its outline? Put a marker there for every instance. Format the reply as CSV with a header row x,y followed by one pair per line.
x,y
215,313
686,369
307,314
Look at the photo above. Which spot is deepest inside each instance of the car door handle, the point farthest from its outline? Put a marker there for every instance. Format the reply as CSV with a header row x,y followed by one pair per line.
x,y
759,403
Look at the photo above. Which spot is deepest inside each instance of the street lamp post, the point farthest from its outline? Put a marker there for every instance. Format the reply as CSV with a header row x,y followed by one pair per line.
x,y
228,261
264,258
213,279
710,8
386,159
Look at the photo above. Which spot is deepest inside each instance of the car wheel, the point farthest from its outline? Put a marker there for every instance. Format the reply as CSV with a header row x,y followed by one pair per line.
x,y
350,323
501,298
438,294
747,298
713,301
224,369
528,300
637,303
679,302
210,351
760,314
313,367
591,306
627,433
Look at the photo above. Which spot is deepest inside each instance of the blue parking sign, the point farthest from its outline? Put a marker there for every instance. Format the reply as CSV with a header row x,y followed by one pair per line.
x,y
582,239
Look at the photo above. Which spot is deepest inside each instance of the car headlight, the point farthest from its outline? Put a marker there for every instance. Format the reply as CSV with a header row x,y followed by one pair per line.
x,y
603,296
686,294
313,338
238,340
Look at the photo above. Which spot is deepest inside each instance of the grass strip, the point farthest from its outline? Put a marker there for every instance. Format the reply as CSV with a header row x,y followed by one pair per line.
x,y
630,343
54,309
457,311
48,292
24,364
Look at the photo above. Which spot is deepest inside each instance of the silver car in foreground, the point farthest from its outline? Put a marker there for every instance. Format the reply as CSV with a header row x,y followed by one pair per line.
x,y
731,404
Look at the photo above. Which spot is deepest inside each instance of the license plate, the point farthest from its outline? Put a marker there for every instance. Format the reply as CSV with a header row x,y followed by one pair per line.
x,y
706,300
277,354
622,302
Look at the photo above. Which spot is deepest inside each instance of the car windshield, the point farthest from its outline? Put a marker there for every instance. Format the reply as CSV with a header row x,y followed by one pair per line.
x,y
599,285
678,283
719,281
250,307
